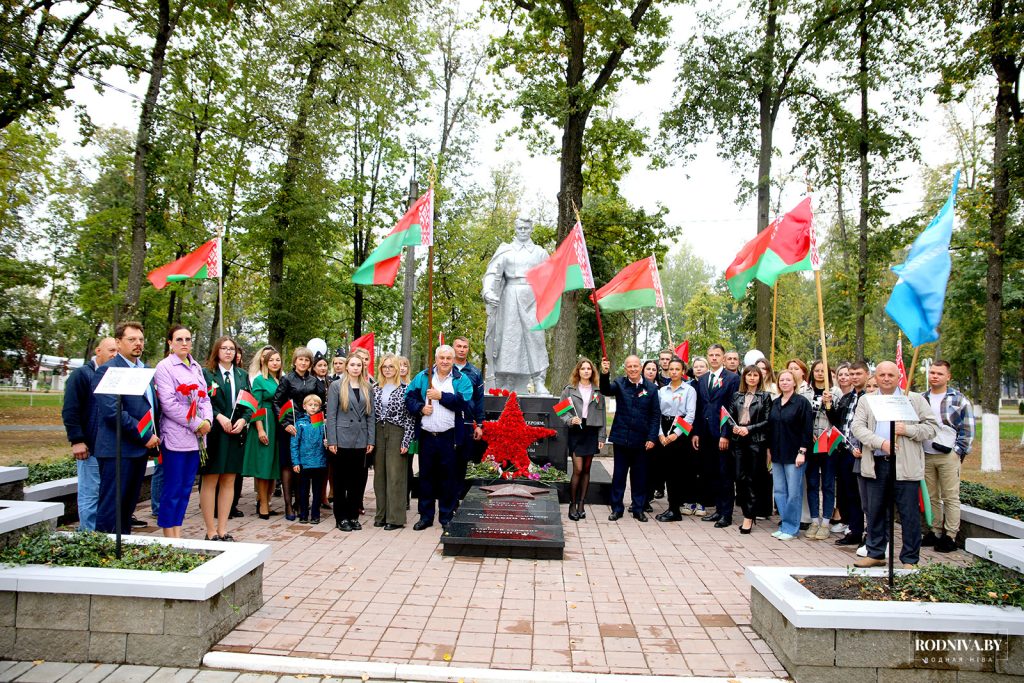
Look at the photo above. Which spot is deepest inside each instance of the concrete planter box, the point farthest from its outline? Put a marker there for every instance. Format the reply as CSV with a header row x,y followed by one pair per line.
x,y
130,616
978,523
12,482
66,491
864,640
19,518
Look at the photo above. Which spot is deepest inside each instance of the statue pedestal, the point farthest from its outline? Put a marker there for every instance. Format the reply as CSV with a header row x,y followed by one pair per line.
x,y
537,411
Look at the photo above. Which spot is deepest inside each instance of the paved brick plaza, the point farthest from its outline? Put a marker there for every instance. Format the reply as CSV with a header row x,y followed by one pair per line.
x,y
628,598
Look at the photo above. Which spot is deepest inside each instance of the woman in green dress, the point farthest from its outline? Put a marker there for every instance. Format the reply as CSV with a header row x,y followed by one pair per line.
x,y
261,460
226,383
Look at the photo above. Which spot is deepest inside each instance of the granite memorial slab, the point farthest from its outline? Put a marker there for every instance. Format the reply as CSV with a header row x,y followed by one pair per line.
x,y
507,519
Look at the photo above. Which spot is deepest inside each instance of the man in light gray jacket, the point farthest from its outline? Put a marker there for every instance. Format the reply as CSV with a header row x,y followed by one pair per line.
x,y
878,457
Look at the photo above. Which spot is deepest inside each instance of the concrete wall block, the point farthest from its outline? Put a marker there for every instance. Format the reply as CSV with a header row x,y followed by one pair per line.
x,y
831,674
111,614
61,612
249,586
108,647
893,649
1014,663
165,650
984,677
45,643
8,607
916,676
13,490
809,646
7,636
185,617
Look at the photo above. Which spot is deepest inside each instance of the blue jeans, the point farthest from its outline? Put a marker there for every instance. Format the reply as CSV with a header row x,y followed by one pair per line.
x,y
821,478
156,488
88,492
788,490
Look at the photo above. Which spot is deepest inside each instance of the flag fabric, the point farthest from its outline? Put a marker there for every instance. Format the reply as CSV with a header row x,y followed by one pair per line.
x,y
828,441
681,426
316,418
202,263
562,407
683,351
638,285
785,246
564,271
723,417
900,366
246,399
918,297
287,408
440,338
416,228
258,415
145,424
364,342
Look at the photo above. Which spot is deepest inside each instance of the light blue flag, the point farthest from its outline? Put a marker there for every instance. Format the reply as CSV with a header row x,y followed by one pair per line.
x,y
917,299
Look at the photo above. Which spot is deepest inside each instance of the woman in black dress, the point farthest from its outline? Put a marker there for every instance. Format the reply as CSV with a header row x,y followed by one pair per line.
x,y
294,388
586,423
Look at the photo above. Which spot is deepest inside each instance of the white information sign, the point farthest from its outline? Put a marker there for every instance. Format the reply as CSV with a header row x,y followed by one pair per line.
x,y
125,381
894,407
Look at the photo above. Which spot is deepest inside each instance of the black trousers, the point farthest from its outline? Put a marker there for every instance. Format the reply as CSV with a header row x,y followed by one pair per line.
x,y
631,462
709,459
348,480
726,485
310,478
747,456
679,461
441,476
878,508
848,492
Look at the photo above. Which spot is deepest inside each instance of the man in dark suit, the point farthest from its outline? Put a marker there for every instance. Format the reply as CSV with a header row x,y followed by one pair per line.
x,y
716,476
471,451
135,447
634,433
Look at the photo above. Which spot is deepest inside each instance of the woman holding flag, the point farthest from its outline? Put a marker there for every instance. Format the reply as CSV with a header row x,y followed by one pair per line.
x,y
749,412
232,402
291,392
261,459
582,408
185,419
678,400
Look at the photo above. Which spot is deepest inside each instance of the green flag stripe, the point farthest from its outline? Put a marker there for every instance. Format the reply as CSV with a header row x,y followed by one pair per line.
x,y
573,277
625,301
181,277
389,247
552,317
767,269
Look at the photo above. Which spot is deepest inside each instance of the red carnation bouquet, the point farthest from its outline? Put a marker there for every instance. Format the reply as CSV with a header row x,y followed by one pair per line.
x,y
192,394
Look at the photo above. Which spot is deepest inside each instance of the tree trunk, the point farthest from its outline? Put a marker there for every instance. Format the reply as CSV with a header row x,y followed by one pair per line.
x,y
860,308
766,124
143,148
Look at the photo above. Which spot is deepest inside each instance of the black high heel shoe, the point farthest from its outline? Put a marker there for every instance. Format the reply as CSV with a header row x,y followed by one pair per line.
x,y
749,529
573,515
581,512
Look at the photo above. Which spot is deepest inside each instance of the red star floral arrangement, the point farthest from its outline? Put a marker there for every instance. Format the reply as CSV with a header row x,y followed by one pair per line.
x,y
508,439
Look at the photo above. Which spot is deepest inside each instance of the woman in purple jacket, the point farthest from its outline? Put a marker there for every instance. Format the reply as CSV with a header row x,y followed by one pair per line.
x,y
184,422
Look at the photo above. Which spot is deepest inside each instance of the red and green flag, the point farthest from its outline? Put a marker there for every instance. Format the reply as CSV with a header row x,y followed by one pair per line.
x,y
316,419
828,441
785,246
565,270
202,263
416,228
638,285
247,400
562,407
258,415
287,408
681,426
145,424
723,418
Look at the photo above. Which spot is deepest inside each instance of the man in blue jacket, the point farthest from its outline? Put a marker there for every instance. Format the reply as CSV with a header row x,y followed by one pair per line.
x,y
439,398
634,433
81,431
717,470
137,443
471,452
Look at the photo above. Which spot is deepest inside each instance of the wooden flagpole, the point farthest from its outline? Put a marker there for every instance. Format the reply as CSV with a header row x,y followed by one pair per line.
x,y
821,329
912,370
220,279
593,296
664,307
775,308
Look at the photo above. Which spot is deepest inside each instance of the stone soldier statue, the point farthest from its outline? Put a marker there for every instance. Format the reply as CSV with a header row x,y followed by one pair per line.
x,y
516,356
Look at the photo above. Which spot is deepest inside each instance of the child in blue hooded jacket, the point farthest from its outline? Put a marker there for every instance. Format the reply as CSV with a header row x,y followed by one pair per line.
x,y
308,458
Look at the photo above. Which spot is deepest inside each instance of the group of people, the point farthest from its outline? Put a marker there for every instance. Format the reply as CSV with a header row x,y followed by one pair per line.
x,y
309,433
716,434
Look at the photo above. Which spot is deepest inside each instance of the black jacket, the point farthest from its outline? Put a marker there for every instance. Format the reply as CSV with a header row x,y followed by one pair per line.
x,y
296,389
637,411
790,428
760,406
711,401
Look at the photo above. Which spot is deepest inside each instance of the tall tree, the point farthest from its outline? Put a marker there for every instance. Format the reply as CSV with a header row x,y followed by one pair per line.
x,y
559,59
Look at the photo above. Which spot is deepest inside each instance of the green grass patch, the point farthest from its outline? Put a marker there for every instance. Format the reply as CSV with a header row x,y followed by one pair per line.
x,y
25,400
39,472
1007,430
92,549
990,500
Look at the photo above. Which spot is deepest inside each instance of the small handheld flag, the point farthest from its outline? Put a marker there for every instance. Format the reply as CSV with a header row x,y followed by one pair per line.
x,y
146,423
288,407
562,407
247,400
258,415
723,417
316,419
828,441
681,426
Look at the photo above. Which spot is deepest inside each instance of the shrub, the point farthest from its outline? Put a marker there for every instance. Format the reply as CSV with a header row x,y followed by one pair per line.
x,y
92,549
990,500
981,583
39,472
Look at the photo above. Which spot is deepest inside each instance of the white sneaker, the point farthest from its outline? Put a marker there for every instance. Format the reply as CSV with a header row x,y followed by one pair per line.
x,y
863,552
699,511
688,509
839,528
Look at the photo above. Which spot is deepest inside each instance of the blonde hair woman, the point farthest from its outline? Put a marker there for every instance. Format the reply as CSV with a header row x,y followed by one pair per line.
x,y
350,438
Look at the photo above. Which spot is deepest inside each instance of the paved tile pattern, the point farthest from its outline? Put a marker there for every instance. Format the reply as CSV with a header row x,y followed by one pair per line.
x,y
629,597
